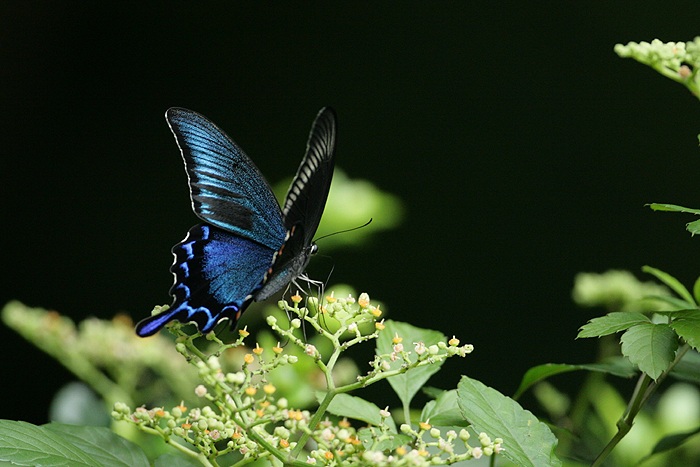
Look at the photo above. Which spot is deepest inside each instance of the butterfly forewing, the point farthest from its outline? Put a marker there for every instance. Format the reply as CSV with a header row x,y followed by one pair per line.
x,y
226,188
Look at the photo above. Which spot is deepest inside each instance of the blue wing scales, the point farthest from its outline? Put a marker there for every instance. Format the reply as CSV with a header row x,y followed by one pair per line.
x,y
215,272
226,188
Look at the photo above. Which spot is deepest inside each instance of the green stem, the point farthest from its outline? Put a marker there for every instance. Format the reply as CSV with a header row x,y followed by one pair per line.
x,y
314,422
642,392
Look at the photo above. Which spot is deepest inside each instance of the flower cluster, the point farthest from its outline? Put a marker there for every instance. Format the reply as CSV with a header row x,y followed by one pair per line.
x,y
676,60
242,413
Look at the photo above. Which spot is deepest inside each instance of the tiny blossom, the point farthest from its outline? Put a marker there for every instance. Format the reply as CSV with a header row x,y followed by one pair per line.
x,y
352,327
420,348
200,390
398,348
385,412
327,434
477,453
328,455
269,389
331,298
350,299
258,350
484,439
454,342
310,350
435,433
433,349
284,444
397,339
244,332
425,426
214,434
445,446
277,349
236,378
248,358
296,298
310,460
376,312
379,325
296,323
250,391
363,300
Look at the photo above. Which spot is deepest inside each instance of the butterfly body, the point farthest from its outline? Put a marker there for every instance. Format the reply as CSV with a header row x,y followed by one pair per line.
x,y
247,248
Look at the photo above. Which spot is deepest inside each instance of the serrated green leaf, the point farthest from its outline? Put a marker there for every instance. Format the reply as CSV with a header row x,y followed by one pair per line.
x,y
650,346
406,385
345,405
620,367
672,208
444,411
60,445
527,441
671,282
686,323
611,323
696,290
693,227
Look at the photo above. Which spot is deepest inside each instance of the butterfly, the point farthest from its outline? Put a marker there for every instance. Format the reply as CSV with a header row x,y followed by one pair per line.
x,y
248,247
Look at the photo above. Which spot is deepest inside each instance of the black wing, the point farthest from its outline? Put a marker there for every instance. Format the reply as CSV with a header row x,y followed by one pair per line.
x,y
303,206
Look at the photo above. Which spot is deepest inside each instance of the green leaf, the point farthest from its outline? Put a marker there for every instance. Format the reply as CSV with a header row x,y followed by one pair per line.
x,y
432,392
406,385
444,411
693,227
672,208
696,290
611,323
671,282
673,441
686,323
60,445
345,405
527,441
675,302
688,369
618,367
650,346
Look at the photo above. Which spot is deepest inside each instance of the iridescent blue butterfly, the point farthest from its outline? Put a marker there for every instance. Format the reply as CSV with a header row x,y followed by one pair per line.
x,y
247,248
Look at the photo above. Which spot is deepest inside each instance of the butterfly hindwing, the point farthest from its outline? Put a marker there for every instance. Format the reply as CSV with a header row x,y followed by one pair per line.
x,y
215,272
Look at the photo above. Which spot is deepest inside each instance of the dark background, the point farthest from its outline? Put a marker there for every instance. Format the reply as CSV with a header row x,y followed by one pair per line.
x,y
523,147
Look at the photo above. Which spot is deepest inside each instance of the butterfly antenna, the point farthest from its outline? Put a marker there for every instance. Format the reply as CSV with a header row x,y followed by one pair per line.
x,y
346,230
